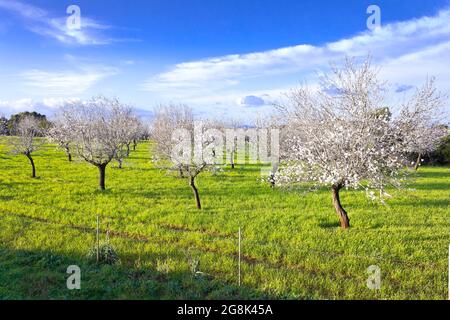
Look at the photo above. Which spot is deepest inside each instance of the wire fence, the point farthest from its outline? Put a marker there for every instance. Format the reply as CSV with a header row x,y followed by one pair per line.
x,y
273,254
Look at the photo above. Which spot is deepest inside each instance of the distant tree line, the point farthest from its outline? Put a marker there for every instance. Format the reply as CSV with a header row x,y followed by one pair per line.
x,y
440,156
9,127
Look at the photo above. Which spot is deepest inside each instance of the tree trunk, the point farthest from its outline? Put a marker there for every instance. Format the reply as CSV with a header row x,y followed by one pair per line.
x,y
102,171
343,217
232,159
128,149
418,161
272,175
196,195
134,145
69,155
120,163
272,180
33,168
180,170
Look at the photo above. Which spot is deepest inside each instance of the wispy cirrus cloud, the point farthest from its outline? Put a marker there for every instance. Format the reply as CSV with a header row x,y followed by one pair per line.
x,y
41,22
46,106
408,51
66,82
231,70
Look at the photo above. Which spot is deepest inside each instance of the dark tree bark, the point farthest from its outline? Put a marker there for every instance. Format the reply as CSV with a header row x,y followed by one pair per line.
x,y
272,180
102,171
180,171
128,149
134,145
343,217
232,159
272,175
33,168
69,155
418,161
194,189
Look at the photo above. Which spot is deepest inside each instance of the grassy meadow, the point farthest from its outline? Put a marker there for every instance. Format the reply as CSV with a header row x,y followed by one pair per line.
x,y
292,247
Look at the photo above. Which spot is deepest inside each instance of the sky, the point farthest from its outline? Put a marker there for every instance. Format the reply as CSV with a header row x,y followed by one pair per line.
x,y
224,58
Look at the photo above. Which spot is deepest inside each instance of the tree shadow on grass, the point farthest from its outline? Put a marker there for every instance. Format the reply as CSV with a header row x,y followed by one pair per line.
x,y
13,184
43,275
324,224
439,203
444,173
431,186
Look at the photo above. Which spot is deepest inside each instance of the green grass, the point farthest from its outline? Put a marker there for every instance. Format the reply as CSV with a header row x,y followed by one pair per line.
x,y
292,246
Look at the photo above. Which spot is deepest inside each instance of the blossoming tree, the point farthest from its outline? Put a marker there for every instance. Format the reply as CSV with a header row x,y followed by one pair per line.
x,y
184,145
28,130
97,130
340,139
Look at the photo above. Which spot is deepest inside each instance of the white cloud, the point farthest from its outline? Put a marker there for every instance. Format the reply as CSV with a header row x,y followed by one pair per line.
x,y
66,82
407,51
46,106
41,22
23,9
231,69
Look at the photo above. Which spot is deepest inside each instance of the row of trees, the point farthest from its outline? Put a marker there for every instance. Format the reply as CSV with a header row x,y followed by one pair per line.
x,y
98,131
341,138
8,127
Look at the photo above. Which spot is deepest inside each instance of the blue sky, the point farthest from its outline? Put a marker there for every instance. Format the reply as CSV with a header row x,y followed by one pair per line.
x,y
225,58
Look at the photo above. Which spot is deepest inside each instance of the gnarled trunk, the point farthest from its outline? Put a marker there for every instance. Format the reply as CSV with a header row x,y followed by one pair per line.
x,y
33,168
232,159
194,189
273,174
101,171
180,171
69,155
343,217
418,161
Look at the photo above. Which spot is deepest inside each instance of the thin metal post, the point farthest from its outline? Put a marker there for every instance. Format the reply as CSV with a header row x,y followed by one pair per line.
x,y
239,256
98,238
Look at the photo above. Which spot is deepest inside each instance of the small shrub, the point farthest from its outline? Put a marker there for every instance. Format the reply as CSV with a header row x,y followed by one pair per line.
x,y
107,254
163,266
193,260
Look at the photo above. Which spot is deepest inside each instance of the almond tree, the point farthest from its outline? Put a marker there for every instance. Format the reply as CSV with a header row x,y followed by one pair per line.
x,y
27,130
129,129
179,144
426,132
139,131
232,145
338,139
59,133
95,129
426,142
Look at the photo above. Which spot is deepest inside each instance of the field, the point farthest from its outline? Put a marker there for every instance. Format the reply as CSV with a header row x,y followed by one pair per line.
x,y
292,247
